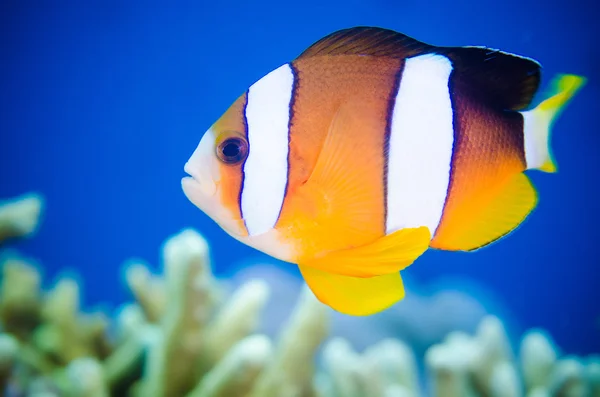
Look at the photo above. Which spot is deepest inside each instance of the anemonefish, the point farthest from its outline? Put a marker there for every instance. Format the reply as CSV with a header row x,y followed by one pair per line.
x,y
371,147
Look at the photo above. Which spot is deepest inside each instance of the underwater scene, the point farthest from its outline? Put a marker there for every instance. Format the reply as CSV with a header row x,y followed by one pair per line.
x,y
387,198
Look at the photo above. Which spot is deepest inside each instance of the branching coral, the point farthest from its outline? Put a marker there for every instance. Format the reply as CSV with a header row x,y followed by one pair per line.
x,y
483,365
20,216
184,336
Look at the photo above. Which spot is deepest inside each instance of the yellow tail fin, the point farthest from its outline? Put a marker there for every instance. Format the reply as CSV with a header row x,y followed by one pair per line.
x,y
538,122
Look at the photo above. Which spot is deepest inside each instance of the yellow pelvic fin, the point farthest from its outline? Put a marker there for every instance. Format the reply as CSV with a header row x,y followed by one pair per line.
x,y
538,122
354,295
495,214
387,254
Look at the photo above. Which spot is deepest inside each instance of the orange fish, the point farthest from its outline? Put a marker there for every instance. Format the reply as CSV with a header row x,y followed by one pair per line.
x,y
371,147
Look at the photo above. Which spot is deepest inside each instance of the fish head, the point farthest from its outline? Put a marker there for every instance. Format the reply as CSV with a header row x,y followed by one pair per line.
x,y
215,171
238,173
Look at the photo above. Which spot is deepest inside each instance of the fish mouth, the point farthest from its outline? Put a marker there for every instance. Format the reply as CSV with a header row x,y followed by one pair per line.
x,y
200,191
197,183
187,169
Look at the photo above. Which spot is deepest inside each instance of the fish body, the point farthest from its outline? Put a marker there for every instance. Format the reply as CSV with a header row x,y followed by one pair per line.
x,y
371,147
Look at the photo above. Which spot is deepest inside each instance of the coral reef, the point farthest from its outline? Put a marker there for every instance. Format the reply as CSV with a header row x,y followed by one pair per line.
x,y
187,335
427,313
20,216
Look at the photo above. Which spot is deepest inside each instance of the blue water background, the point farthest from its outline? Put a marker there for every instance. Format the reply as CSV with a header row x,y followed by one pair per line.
x,y
101,104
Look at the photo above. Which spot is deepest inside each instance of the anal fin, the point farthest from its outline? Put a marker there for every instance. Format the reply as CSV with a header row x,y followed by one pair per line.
x,y
487,217
354,295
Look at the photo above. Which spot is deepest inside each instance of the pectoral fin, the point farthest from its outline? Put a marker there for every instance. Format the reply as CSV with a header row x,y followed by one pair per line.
x,y
354,295
388,254
348,198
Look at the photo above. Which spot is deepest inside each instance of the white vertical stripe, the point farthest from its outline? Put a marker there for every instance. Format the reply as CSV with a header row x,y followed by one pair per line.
x,y
535,132
421,138
266,168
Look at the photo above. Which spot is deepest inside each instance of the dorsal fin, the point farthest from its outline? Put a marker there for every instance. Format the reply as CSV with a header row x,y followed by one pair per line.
x,y
504,80
364,40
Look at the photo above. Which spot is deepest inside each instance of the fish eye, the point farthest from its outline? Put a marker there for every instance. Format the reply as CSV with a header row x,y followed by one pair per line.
x,y
232,150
